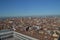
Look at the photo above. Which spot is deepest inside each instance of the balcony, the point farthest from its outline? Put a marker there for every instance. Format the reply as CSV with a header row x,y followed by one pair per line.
x,y
12,35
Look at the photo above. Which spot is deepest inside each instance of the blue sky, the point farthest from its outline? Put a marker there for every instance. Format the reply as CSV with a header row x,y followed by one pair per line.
x,y
29,7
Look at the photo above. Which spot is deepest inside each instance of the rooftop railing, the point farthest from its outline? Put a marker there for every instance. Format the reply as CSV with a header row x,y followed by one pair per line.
x,y
23,37
6,34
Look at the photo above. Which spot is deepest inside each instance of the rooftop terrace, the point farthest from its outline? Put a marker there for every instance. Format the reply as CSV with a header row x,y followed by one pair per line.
x,y
11,35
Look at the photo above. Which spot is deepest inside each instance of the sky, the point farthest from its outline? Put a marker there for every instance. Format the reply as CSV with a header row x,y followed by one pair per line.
x,y
29,7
